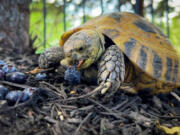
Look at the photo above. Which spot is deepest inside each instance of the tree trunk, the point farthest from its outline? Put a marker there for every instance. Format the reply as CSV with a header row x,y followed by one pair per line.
x,y
14,25
141,12
139,7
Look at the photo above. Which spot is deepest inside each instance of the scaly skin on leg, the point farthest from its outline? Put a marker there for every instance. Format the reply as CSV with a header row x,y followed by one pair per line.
x,y
51,57
111,70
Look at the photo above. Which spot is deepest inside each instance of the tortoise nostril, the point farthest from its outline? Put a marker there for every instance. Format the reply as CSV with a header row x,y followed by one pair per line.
x,y
74,56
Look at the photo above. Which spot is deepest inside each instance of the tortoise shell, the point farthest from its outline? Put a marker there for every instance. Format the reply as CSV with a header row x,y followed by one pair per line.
x,y
141,41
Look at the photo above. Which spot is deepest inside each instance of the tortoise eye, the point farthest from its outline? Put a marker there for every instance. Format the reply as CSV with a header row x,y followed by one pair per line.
x,y
81,48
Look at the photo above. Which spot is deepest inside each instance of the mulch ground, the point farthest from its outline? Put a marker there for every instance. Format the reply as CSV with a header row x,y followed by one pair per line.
x,y
56,109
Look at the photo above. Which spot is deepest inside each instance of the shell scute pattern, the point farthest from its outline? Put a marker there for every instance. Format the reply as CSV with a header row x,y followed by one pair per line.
x,y
129,45
169,68
144,26
143,58
113,33
175,73
157,65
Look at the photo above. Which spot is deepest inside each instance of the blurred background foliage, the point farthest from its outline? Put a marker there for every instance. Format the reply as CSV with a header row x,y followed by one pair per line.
x,y
92,8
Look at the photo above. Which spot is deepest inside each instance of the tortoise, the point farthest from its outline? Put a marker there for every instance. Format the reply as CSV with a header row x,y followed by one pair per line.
x,y
122,51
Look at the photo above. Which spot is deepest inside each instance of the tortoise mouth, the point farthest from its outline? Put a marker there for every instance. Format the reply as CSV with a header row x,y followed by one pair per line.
x,y
80,63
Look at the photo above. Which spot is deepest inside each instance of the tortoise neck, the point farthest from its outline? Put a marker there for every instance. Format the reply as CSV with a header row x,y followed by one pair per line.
x,y
101,47
129,70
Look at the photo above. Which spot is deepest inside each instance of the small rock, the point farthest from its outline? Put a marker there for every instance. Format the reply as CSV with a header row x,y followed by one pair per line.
x,y
2,103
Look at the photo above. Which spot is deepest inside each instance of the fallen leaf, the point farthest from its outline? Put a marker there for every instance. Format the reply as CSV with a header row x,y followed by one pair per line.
x,y
168,131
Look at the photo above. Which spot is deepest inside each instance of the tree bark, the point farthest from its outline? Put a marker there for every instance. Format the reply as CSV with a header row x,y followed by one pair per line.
x,y
139,7
14,25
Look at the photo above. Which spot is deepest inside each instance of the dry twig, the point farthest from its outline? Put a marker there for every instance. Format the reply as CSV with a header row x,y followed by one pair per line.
x,y
80,125
15,84
176,96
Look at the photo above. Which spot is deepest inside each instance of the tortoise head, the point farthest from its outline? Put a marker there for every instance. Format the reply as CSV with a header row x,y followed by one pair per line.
x,y
83,48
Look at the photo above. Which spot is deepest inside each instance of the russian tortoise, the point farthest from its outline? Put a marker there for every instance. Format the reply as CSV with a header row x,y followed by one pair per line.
x,y
127,52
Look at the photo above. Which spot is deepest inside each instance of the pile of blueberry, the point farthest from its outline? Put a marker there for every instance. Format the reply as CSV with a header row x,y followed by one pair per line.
x,y
16,95
10,73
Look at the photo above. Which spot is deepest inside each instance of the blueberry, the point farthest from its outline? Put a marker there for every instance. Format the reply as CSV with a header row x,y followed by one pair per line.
x,y
3,92
9,68
16,77
1,75
5,69
72,76
12,68
13,96
40,76
2,63
24,97
29,91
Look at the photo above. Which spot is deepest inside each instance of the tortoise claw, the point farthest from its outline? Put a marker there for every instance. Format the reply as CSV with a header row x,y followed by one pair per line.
x,y
106,86
102,88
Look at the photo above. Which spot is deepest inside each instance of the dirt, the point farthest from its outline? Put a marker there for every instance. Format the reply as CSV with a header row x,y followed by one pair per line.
x,y
59,109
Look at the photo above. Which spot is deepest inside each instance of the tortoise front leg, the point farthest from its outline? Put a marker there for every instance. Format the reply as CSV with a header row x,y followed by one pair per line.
x,y
111,70
51,57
